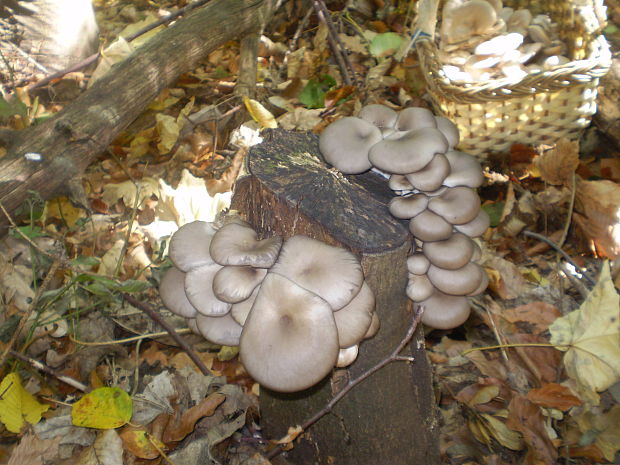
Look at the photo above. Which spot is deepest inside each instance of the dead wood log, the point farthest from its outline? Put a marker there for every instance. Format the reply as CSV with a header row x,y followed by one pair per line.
x,y
50,157
390,417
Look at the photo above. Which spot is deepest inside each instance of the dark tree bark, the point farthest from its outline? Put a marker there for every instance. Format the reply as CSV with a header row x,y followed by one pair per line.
x,y
389,418
45,158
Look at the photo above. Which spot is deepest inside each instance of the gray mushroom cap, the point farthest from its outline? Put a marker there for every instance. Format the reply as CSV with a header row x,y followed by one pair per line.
x,y
419,287
236,283
289,341
241,310
408,206
354,319
442,311
221,330
380,115
238,244
457,205
199,291
428,226
475,227
407,152
399,183
448,129
375,325
465,170
453,253
345,144
462,281
189,245
414,118
431,177
332,273
418,263
347,356
172,293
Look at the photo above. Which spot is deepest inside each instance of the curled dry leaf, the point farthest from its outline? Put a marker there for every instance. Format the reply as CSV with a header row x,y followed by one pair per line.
x,y
553,395
597,213
558,165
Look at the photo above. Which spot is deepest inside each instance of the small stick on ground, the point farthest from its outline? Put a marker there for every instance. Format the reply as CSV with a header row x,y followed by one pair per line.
x,y
334,43
393,357
164,324
45,369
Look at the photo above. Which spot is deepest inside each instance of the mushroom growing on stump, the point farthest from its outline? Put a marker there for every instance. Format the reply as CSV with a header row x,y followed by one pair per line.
x,y
294,320
436,186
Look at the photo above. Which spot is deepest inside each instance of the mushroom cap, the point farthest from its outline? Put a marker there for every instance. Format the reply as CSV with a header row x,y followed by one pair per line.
x,y
417,263
199,291
456,282
443,311
189,245
432,175
457,205
332,273
465,170
375,324
413,118
408,152
289,341
192,325
467,19
475,227
353,320
238,244
234,284
419,287
451,254
380,115
449,130
347,356
408,206
345,144
222,330
399,183
172,293
241,310
428,226
484,283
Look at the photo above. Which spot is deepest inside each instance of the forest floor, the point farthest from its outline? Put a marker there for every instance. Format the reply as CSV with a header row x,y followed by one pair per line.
x,y
532,377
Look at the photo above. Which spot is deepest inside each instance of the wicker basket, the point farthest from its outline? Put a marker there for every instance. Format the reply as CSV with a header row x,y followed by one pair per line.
x,y
540,108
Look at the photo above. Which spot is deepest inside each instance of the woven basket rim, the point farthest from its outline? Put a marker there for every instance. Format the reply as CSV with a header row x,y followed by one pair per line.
x,y
576,72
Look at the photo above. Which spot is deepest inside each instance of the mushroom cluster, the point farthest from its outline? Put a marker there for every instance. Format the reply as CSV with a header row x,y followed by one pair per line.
x,y
295,309
482,40
436,192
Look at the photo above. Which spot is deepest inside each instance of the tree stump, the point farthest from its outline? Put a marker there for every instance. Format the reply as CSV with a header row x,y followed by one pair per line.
x,y
389,418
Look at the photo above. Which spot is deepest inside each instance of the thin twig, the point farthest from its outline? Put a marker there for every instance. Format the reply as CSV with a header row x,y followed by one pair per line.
x,y
164,324
24,236
128,339
557,248
332,38
300,28
571,206
393,357
45,369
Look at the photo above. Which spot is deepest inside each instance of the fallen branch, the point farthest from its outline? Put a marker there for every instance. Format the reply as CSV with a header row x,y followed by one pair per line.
x,y
164,324
45,369
393,357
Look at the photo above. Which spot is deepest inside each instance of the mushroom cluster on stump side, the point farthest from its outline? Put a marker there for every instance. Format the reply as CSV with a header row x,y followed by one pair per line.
x,y
436,186
295,309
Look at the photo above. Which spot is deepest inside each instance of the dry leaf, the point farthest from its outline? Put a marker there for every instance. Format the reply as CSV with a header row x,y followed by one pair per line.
x,y
259,113
176,431
553,395
32,450
591,336
605,426
558,165
539,315
106,450
598,208
527,418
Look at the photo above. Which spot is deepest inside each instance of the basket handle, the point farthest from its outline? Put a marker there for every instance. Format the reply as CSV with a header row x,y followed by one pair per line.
x,y
427,17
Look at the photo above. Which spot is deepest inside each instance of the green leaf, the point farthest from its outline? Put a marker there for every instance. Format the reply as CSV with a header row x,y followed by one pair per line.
x,y
29,231
384,45
494,210
133,285
15,107
313,94
85,261
103,408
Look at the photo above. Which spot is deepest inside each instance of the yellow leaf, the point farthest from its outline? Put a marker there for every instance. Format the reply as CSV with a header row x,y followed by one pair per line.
x,y
168,131
591,336
103,408
18,406
260,114
140,444
504,435
62,208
